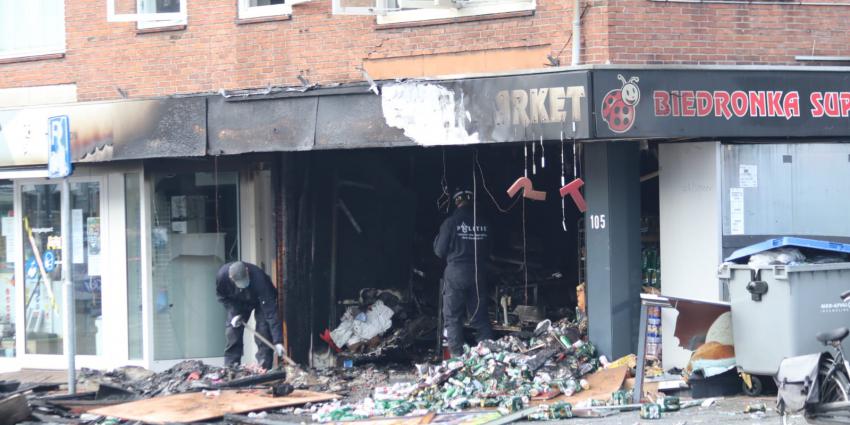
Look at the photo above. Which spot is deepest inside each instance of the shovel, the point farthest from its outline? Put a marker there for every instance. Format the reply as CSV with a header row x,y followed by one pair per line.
x,y
265,341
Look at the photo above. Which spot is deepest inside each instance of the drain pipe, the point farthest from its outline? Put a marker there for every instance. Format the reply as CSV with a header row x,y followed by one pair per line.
x,y
576,32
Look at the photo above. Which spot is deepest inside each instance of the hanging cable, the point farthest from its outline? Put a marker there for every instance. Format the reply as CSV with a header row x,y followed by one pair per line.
x,y
525,160
563,183
475,229
533,159
542,154
524,244
524,252
575,160
445,198
486,189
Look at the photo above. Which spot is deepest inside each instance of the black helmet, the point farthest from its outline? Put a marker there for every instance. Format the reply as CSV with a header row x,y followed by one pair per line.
x,y
462,194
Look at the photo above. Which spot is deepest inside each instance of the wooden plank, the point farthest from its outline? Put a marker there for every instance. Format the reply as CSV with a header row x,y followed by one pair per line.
x,y
192,407
78,407
35,376
650,389
603,382
427,419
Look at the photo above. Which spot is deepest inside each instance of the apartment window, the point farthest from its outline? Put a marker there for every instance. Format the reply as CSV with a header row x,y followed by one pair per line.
x,y
31,28
161,7
399,11
261,8
147,13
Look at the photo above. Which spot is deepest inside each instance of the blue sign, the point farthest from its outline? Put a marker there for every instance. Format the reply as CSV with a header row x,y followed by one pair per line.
x,y
49,261
31,268
59,155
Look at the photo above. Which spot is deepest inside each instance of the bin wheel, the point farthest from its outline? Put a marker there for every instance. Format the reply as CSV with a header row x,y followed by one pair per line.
x,y
756,389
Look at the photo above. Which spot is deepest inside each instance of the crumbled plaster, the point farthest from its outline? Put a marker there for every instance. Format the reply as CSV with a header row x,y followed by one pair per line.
x,y
428,113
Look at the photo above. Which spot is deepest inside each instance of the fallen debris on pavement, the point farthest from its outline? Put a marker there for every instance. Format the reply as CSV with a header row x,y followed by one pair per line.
x,y
199,406
189,375
505,374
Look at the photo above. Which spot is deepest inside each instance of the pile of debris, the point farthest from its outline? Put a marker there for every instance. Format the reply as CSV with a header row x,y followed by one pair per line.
x,y
352,383
378,324
507,374
128,384
186,376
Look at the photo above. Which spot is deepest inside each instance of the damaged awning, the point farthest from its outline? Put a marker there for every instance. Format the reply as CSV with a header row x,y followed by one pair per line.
x,y
601,102
515,108
107,131
594,102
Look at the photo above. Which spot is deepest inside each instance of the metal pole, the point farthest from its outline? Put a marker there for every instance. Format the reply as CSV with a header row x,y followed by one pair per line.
x,y
641,354
576,57
69,341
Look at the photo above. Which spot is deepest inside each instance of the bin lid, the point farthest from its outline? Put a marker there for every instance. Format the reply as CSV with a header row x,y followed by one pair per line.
x,y
743,254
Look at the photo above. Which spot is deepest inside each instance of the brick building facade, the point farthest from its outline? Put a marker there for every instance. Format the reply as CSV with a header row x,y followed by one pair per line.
x,y
216,50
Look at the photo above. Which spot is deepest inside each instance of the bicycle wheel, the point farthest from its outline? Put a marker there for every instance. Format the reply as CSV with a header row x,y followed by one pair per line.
x,y
835,386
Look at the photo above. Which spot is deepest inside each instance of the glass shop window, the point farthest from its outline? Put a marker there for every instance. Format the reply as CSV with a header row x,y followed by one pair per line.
x,y
7,270
195,230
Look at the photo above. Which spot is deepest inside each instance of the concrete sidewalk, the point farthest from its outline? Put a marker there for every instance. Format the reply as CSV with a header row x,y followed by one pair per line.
x,y
727,411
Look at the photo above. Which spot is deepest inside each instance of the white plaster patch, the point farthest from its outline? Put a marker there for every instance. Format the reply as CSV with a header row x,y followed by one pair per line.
x,y
428,113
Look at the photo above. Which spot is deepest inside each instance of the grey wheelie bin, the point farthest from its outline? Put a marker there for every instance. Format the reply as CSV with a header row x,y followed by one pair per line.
x,y
778,309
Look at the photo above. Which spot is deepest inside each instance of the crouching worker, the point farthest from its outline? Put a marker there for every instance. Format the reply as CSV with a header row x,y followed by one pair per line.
x,y
244,288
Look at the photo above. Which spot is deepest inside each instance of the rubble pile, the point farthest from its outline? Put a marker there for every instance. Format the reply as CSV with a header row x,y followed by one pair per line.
x,y
505,374
350,383
378,325
189,375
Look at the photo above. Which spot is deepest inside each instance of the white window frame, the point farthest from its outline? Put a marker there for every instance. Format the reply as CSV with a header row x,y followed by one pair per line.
x,y
59,48
424,10
180,19
148,20
246,11
444,9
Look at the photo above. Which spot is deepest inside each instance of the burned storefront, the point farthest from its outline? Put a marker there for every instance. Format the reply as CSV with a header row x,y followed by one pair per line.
x,y
365,173
366,179
590,178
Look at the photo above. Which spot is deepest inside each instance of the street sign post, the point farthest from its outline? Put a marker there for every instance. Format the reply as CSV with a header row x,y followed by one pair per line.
x,y
59,167
59,142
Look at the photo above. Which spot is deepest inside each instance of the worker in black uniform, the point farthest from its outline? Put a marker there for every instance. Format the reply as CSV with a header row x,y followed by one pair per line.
x,y
244,288
462,236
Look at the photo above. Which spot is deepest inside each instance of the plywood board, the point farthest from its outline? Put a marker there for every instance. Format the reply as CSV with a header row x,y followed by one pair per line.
x,y
192,407
36,376
602,383
650,389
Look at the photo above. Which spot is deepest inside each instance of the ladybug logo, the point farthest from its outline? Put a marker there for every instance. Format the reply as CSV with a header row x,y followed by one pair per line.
x,y
618,106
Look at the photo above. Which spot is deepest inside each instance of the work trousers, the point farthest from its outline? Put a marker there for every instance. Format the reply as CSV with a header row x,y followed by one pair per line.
x,y
233,341
461,300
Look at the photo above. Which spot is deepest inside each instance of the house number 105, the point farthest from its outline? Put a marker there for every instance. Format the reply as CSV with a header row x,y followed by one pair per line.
x,y
597,221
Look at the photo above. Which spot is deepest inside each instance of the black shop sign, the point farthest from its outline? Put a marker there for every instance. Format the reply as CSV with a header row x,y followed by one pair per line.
x,y
547,106
642,103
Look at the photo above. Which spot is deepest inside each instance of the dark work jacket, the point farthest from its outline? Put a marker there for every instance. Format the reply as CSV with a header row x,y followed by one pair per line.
x,y
456,242
260,295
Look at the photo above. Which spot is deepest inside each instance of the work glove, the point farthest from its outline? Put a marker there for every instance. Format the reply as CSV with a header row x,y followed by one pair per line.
x,y
279,350
236,321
